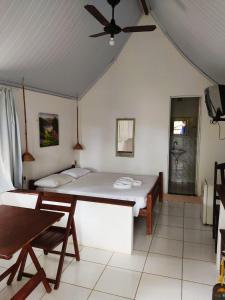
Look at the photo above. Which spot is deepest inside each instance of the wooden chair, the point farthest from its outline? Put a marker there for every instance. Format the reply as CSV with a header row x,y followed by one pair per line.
x,y
219,168
55,235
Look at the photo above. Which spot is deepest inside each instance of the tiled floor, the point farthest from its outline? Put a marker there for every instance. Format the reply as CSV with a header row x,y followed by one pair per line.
x,y
185,188
176,263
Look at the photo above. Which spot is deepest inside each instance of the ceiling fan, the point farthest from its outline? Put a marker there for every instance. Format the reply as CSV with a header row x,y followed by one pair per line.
x,y
111,28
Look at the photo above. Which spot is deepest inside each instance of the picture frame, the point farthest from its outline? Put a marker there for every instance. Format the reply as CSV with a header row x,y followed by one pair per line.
x,y
48,129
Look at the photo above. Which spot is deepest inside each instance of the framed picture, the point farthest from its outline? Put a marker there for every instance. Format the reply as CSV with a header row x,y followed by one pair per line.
x,y
49,129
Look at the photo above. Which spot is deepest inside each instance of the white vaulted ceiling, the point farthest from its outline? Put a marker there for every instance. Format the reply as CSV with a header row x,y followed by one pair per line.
x,y
48,43
197,28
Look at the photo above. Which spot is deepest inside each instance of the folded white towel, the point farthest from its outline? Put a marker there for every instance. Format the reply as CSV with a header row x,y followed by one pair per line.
x,y
137,183
126,183
126,178
122,185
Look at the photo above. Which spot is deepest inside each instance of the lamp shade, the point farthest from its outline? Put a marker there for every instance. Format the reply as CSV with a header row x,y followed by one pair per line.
x,y
27,157
78,146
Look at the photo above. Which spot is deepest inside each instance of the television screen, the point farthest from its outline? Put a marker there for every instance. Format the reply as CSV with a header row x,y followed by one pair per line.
x,y
215,101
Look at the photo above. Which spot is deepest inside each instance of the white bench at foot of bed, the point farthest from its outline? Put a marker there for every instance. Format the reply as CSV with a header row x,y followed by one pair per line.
x,y
99,225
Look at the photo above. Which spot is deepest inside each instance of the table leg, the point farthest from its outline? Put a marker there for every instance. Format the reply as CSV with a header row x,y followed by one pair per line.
x,y
17,265
27,289
22,266
39,277
39,269
7,272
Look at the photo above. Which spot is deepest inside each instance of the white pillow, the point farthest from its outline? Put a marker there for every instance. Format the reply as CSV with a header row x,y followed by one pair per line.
x,y
76,172
53,181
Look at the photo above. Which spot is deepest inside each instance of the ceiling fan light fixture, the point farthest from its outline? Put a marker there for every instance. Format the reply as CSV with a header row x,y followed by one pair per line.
x,y
112,41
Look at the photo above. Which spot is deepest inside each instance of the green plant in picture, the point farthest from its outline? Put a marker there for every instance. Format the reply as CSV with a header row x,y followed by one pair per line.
x,y
49,129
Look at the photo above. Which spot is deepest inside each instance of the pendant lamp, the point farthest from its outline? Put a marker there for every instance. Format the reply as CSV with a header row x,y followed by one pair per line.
x,y
78,146
26,155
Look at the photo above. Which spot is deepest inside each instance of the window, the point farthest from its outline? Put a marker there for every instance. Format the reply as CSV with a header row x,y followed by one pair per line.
x,y
180,127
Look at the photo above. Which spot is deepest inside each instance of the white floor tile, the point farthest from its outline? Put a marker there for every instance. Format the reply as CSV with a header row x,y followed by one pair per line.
x,y
172,211
192,211
196,291
192,205
199,252
170,221
95,255
68,292
192,223
164,265
173,203
70,247
167,247
199,271
119,282
173,233
50,264
198,236
134,262
11,290
82,273
154,287
142,241
103,296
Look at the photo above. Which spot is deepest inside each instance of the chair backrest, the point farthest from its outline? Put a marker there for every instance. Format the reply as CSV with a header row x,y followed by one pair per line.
x,y
221,168
217,168
218,179
57,202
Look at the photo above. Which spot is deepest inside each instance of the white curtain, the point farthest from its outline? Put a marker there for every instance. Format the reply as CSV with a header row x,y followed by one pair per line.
x,y
10,145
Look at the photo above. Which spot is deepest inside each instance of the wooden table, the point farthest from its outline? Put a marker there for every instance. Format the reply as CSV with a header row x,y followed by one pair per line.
x,y
18,227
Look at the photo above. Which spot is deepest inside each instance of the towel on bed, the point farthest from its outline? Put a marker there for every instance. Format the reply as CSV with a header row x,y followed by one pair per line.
x,y
126,183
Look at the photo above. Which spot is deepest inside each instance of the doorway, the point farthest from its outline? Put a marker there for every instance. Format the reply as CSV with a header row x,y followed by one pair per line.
x,y
183,145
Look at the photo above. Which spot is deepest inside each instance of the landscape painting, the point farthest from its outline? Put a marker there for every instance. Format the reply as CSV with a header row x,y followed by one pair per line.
x,y
49,129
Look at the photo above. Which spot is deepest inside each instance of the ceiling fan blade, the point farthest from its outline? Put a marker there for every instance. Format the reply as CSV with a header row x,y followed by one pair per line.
x,y
98,34
145,7
96,14
139,28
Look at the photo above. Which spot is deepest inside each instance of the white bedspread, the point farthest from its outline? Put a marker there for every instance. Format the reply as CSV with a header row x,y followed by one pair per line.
x,y
101,185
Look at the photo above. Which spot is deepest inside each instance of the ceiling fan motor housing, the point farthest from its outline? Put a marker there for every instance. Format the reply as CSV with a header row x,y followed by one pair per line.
x,y
112,28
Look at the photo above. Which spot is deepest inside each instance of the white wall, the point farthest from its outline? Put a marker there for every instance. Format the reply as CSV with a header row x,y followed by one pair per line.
x,y
139,85
47,159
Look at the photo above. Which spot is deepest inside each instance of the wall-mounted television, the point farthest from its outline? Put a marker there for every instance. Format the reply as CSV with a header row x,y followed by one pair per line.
x,y
215,101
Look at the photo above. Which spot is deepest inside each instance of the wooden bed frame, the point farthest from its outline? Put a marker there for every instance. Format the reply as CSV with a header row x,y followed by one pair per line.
x,y
155,193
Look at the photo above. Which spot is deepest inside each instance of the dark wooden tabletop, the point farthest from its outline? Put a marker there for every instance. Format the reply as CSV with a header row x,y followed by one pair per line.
x,y
19,226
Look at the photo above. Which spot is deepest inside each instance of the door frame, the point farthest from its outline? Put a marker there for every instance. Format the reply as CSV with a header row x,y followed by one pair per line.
x,y
197,179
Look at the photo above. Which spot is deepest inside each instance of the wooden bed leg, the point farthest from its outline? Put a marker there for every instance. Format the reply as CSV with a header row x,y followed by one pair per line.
x,y
149,218
161,186
149,224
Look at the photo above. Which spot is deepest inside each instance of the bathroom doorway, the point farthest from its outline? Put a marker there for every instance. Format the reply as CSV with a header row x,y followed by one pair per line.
x,y
183,145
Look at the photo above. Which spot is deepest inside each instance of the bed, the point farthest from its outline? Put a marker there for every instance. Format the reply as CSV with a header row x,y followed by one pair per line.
x,y
105,215
98,186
